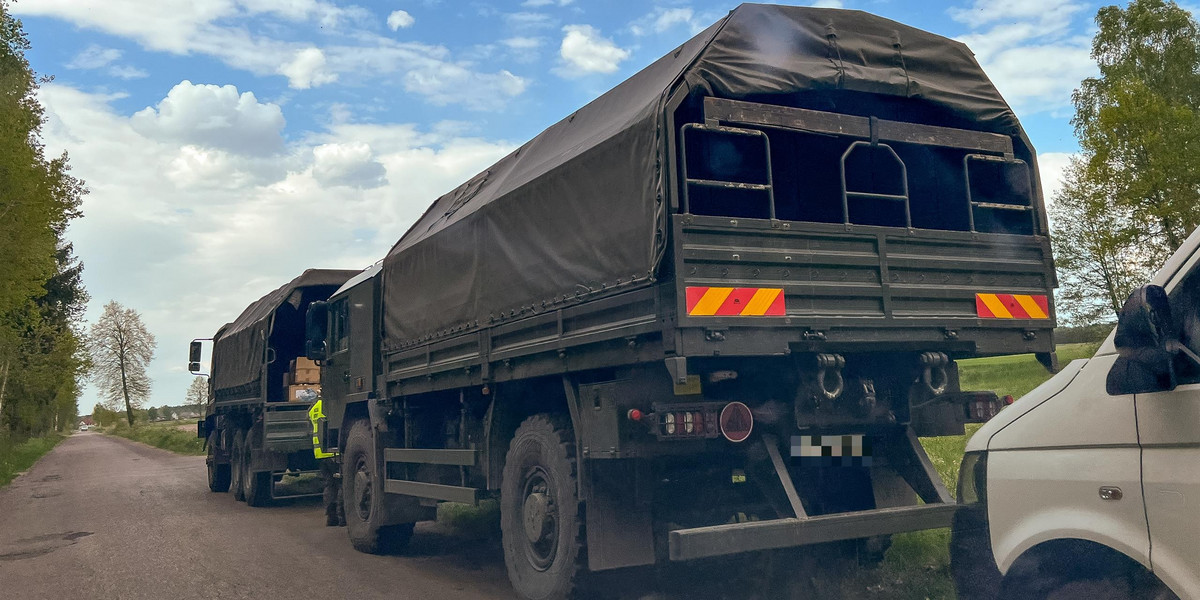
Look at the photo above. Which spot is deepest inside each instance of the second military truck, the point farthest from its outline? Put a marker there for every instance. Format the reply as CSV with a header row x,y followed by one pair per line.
x,y
256,423
707,314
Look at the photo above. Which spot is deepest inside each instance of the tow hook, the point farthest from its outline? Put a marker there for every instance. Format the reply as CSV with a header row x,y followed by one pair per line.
x,y
829,367
934,375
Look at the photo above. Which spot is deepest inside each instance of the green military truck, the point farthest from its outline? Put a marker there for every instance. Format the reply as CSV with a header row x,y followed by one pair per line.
x,y
255,426
707,314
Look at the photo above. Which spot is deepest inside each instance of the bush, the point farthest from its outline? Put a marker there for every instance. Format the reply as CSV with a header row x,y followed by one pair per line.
x,y
17,455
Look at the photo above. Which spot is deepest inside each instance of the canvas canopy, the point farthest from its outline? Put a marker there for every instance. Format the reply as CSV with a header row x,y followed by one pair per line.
x,y
239,348
580,208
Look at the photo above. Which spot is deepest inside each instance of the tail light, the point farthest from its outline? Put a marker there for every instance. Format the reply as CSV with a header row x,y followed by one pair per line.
x,y
680,421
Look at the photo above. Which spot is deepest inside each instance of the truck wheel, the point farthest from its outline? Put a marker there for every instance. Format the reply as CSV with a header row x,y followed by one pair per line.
x,y
218,475
362,496
542,531
238,463
256,484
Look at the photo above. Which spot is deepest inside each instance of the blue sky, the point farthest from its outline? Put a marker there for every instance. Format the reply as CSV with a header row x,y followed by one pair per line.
x,y
229,144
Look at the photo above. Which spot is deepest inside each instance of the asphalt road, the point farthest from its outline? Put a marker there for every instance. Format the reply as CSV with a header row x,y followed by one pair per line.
x,y
103,517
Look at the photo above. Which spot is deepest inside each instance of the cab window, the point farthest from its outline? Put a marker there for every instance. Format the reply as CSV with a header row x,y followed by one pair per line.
x,y
339,327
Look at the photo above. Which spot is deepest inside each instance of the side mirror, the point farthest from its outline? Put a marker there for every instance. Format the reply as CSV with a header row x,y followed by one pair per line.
x,y
194,357
1146,339
315,326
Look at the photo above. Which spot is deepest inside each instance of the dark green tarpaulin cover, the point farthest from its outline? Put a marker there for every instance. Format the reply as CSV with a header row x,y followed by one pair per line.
x,y
580,207
239,348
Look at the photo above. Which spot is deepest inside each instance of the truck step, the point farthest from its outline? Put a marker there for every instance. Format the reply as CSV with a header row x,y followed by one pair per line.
x,y
420,489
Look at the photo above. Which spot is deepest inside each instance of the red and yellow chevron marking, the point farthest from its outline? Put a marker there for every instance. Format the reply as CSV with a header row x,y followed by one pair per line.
x,y
734,302
1011,306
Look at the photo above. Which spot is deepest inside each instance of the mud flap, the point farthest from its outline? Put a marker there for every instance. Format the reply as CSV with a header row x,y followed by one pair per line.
x,y
619,526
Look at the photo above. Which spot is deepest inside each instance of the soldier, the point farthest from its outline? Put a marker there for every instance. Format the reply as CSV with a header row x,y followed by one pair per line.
x,y
335,516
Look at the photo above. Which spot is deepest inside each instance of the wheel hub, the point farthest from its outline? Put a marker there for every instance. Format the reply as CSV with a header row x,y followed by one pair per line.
x,y
537,521
362,493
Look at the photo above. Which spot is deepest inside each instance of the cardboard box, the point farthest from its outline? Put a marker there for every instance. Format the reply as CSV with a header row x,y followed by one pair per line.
x,y
303,363
306,376
303,393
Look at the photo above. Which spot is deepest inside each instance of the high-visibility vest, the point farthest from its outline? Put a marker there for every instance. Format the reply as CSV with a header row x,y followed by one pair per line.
x,y
315,415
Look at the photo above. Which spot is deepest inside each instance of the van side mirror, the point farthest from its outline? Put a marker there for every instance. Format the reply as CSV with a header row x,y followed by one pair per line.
x,y
315,326
194,351
1147,338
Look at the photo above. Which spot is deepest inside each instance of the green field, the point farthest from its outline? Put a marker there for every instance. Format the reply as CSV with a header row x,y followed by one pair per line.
x,y
18,455
168,435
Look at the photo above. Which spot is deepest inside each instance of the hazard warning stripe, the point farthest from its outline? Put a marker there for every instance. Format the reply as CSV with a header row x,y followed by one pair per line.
x,y
735,302
1012,306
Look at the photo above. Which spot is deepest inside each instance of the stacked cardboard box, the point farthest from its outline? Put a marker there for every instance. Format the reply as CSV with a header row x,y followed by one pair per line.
x,y
302,381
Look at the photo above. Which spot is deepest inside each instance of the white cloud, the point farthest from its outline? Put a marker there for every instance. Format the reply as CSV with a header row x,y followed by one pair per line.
x,y
527,21
200,27
127,72
400,19
1029,49
539,3
985,12
828,4
94,57
350,164
307,70
585,51
524,49
213,116
1051,167
671,17
523,43
189,234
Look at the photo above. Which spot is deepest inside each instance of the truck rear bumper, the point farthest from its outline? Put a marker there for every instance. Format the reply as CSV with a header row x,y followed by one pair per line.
x,y
718,540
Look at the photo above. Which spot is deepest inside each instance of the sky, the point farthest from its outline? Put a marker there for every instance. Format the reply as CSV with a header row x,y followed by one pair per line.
x,y
228,145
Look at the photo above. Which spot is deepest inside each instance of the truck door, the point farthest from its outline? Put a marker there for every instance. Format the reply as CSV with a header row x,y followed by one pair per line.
x,y
349,355
1169,433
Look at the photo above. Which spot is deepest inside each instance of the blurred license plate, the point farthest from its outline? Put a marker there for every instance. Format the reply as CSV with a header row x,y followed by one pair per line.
x,y
831,450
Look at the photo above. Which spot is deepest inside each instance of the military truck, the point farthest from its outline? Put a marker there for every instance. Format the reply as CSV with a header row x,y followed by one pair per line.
x,y
707,314
256,425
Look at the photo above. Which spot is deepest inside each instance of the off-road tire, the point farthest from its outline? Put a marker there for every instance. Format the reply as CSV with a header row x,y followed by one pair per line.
x,y
218,475
238,463
364,509
540,520
258,484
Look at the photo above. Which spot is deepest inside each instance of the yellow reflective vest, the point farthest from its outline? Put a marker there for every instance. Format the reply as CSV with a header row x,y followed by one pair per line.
x,y
315,415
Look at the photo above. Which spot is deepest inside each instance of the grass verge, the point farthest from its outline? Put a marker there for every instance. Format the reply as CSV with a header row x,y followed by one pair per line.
x,y
167,436
18,455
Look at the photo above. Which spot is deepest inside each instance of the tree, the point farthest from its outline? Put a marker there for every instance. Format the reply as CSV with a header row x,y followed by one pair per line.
x,y
1136,186
41,296
152,414
122,348
197,393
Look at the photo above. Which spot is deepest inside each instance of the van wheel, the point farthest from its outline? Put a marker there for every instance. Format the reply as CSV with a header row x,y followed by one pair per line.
x,y
542,530
238,465
362,497
218,475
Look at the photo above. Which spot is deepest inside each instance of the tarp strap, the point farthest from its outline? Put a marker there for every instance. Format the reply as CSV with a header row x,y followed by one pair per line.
x,y
896,43
836,51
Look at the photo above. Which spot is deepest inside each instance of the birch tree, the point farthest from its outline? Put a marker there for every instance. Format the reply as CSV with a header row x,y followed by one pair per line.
x,y
121,349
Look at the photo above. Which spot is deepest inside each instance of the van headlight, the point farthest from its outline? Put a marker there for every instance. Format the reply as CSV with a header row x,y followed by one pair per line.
x,y
972,479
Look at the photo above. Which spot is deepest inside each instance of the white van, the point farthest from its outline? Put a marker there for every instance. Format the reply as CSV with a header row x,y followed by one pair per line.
x,y
1089,486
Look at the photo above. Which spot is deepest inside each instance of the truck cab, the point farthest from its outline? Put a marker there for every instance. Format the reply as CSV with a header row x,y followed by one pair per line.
x,y
1092,480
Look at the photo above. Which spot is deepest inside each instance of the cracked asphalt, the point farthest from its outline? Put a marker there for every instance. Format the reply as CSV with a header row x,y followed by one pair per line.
x,y
104,517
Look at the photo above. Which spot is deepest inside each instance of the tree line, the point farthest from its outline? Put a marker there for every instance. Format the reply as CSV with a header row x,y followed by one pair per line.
x,y
42,352
1132,195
